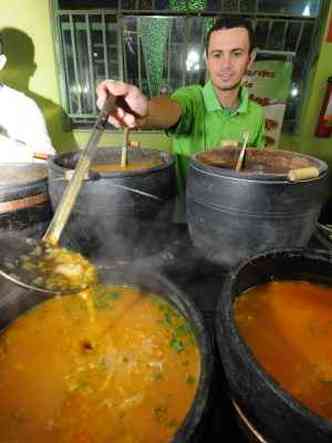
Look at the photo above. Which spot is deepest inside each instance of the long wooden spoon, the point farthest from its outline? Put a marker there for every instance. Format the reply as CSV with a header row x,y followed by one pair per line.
x,y
240,160
14,247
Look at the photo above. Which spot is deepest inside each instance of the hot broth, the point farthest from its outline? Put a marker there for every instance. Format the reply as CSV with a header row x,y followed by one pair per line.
x,y
131,166
288,326
129,374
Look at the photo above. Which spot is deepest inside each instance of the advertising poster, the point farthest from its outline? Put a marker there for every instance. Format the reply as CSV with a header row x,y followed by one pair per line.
x,y
268,82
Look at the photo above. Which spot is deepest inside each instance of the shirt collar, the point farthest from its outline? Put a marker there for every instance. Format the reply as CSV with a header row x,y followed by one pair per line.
x,y
212,103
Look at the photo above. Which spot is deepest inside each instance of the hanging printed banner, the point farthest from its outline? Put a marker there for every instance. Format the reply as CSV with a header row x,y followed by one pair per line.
x,y
268,82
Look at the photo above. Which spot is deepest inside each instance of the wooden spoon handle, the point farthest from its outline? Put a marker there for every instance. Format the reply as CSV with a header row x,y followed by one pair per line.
x,y
124,150
242,152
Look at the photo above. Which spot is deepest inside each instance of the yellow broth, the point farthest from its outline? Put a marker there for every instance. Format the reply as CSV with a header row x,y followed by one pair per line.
x,y
59,269
288,326
129,374
131,166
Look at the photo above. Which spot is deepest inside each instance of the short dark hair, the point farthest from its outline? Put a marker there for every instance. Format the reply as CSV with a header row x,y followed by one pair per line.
x,y
229,23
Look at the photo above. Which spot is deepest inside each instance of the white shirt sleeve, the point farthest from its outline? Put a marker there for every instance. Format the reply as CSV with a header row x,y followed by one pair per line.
x,y
23,123
12,151
35,131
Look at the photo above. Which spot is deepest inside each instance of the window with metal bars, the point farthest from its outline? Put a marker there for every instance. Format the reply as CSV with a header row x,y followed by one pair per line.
x,y
159,44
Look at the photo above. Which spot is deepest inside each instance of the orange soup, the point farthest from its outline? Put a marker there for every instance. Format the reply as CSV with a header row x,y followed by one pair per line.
x,y
128,373
131,166
288,326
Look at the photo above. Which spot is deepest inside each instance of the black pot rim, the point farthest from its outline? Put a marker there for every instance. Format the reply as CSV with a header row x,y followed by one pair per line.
x,y
168,158
253,176
319,421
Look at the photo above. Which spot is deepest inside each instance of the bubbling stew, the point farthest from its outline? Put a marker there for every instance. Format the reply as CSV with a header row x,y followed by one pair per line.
x,y
127,374
288,326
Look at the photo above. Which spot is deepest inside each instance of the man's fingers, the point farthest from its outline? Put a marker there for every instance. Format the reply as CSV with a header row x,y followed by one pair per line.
x,y
122,116
114,121
121,119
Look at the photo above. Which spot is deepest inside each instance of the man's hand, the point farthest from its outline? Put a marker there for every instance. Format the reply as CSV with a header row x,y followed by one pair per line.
x,y
132,105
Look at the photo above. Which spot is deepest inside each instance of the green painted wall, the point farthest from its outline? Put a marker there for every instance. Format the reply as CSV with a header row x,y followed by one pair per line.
x,y
26,31
26,27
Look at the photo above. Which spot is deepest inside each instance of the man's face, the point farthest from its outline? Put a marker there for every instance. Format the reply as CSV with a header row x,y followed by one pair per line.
x,y
228,57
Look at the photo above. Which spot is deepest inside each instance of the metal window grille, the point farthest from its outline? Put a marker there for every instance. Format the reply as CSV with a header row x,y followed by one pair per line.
x,y
95,44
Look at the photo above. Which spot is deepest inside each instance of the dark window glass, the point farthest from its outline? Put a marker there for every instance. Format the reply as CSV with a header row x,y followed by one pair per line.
x,y
230,5
276,36
292,35
247,6
296,7
261,32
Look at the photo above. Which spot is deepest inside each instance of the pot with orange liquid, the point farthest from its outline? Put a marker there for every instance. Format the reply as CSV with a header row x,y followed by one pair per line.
x,y
274,329
130,361
121,212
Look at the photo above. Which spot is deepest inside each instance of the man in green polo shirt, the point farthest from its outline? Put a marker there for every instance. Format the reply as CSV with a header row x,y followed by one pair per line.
x,y
200,118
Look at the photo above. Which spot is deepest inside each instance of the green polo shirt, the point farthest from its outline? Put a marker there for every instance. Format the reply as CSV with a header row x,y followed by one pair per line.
x,y
205,124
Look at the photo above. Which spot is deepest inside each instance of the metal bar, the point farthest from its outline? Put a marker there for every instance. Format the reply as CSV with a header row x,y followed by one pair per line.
x,y
266,51
139,55
299,37
82,115
62,57
284,35
169,53
103,23
185,51
268,33
77,79
120,46
90,60
124,32
171,12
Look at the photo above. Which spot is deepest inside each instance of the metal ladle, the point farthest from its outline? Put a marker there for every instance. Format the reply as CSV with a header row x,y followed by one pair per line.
x,y
13,247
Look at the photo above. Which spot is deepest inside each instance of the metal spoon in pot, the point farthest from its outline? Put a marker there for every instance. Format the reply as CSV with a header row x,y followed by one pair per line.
x,y
15,249
240,160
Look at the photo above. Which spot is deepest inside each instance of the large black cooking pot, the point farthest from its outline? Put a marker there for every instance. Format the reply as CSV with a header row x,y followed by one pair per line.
x,y
232,215
15,300
24,201
274,413
117,214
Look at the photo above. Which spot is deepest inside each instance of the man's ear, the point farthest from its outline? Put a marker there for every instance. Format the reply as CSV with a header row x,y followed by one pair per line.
x,y
3,61
252,57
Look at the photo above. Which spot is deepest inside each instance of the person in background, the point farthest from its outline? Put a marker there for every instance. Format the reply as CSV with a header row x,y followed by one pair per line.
x,y
23,133
200,117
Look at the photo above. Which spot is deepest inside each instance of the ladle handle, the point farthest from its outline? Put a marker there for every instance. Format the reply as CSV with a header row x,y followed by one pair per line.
x,y
70,194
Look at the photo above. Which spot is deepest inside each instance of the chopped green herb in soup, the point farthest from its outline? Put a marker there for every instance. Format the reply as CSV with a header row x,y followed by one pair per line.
x,y
113,365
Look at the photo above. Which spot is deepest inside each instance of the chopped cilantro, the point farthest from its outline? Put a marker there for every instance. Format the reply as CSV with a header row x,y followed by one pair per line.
x,y
177,344
104,299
